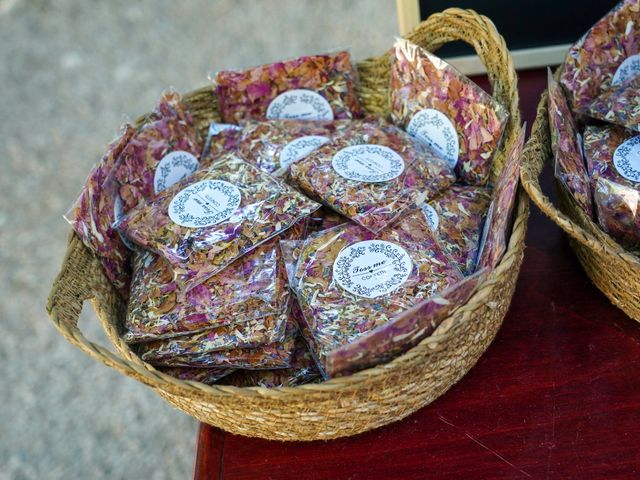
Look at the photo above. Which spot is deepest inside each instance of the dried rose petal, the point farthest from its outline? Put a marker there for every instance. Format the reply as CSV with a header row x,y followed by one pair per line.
x,y
350,281
457,217
496,229
222,138
592,62
93,213
569,162
371,174
619,105
161,152
317,87
205,222
438,105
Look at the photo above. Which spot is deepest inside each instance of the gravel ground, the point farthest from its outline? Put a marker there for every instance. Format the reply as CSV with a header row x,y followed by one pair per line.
x,y
70,70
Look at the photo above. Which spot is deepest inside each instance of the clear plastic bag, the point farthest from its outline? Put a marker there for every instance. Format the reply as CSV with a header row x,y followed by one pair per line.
x,y
371,174
314,87
350,281
274,145
613,158
208,376
445,110
457,217
569,162
248,334
205,222
597,61
274,355
495,234
620,105
93,213
221,138
251,287
163,151
402,332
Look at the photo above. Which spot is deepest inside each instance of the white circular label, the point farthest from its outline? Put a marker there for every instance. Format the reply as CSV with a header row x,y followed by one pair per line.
x,y
300,148
300,105
626,159
204,203
628,70
368,163
372,268
172,168
117,215
434,128
431,216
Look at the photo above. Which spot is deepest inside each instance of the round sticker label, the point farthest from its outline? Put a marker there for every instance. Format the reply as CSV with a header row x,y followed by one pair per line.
x,y
434,129
172,168
626,159
299,148
299,105
628,70
431,216
372,268
204,203
368,163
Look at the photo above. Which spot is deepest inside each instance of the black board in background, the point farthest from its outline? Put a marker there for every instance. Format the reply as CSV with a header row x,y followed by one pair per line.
x,y
526,24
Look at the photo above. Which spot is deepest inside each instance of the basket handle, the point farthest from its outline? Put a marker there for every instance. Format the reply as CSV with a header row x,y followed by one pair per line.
x,y
534,156
70,290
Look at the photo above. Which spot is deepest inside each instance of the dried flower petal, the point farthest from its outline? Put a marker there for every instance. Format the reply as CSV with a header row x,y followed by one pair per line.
x,y
208,376
619,105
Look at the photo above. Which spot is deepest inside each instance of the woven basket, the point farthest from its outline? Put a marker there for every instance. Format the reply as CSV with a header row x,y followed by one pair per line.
x,y
367,399
615,271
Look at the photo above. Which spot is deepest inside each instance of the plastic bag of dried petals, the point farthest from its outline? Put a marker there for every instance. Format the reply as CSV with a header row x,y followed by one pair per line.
x,y
315,87
457,217
445,110
569,163
495,234
93,213
371,175
162,152
273,355
613,156
205,222
620,105
221,138
606,56
350,281
208,376
274,145
403,331
248,334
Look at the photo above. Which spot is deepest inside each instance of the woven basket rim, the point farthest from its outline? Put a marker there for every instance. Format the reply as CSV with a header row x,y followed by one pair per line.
x,y
131,364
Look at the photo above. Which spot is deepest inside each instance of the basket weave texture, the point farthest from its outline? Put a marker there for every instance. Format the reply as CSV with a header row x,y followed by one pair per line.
x,y
367,399
615,271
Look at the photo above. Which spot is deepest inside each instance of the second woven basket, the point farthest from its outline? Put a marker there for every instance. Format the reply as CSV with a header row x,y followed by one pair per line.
x,y
367,399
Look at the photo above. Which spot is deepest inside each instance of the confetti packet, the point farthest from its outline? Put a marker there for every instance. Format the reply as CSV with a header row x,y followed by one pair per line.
x,y
350,281
274,355
208,376
613,158
315,87
620,105
93,213
205,222
457,217
162,152
274,145
445,110
404,331
303,367
495,234
606,56
221,138
248,334
569,162
371,175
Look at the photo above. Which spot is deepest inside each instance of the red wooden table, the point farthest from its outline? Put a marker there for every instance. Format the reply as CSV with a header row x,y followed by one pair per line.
x,y
555,396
